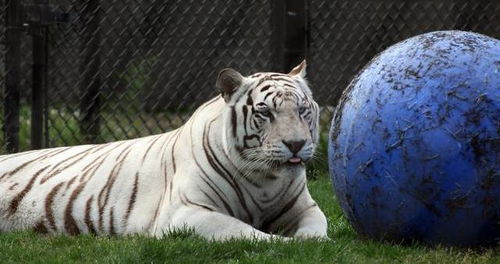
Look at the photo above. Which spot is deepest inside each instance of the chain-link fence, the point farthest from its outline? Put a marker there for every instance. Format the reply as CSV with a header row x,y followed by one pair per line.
x,y
74,72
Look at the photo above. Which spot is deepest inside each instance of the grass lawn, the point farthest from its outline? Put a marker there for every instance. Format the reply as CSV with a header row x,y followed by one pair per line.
x,y
345,246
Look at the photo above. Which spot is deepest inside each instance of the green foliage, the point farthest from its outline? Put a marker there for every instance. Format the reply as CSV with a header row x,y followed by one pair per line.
x,y
64,126
320,161
183,247
137,78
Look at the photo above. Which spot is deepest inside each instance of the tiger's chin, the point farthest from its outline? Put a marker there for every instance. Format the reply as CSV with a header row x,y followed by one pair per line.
x,y
291,170
290,167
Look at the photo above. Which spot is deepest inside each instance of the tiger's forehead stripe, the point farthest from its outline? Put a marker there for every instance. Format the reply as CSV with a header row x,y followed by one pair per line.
x,y
282,94
265,88
273,77
281,85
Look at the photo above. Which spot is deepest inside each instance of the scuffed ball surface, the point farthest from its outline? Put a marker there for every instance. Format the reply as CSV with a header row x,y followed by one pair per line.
x,y
414,150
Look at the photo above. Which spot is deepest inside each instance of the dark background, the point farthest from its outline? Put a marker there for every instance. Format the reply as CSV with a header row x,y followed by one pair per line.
x,y
74,71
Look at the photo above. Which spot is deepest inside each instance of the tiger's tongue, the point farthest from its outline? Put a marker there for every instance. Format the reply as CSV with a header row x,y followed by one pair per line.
x,y
295,160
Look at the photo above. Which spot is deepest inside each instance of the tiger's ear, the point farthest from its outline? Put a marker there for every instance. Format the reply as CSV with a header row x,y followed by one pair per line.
x,y
228,82
299,70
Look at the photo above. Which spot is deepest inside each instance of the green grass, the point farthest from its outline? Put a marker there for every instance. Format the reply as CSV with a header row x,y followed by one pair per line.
x,y
345,246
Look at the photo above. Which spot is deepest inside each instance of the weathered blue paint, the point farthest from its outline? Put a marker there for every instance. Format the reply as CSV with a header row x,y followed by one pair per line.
x,y
414,148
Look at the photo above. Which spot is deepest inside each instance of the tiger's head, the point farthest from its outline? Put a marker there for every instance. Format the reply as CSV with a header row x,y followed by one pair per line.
x,y
271,119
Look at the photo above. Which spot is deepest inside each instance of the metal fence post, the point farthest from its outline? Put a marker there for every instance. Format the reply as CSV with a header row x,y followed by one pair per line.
x,y
91,82
39,88
278,27
12,66
289,38
296,33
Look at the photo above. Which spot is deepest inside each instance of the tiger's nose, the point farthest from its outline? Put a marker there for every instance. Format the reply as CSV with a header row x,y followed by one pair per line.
x,y
294,145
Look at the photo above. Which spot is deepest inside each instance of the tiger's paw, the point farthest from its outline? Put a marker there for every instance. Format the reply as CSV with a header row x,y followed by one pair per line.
x,y
306,233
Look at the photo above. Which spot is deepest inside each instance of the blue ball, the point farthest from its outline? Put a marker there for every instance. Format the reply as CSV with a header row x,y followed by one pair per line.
x,y
414,147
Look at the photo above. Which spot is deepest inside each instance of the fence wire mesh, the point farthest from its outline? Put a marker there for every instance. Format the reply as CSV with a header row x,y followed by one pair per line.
x,y
133,68
121,69
345,35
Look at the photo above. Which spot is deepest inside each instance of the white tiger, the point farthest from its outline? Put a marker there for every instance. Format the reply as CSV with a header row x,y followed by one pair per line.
x,y
234,170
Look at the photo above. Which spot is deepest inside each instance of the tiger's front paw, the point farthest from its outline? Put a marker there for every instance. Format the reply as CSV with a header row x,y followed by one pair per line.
x,y
308,233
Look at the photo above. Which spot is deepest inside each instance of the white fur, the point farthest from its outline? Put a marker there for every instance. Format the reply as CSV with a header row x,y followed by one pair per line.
x,y
172,191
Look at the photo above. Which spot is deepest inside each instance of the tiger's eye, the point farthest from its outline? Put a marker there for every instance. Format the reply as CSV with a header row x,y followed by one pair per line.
x,y
302,110
265,112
